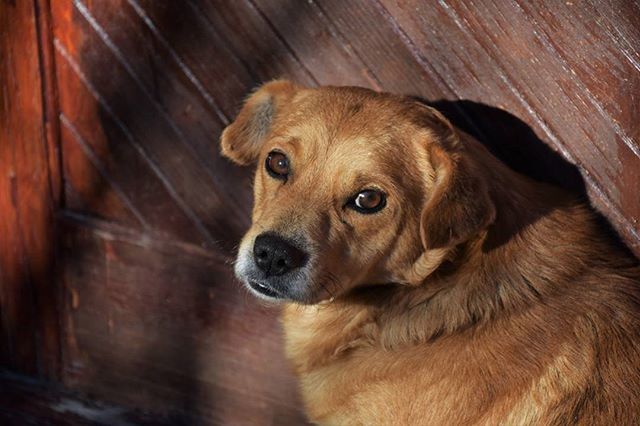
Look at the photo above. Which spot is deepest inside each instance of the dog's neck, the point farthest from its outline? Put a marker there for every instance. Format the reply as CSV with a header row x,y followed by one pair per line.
x,y
526,255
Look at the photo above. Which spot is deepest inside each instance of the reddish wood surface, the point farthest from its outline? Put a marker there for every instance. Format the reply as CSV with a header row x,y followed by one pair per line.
x,y
28,198
110,114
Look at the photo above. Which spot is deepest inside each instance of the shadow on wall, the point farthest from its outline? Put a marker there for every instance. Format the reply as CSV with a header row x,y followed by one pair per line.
x,y
516,144
512,141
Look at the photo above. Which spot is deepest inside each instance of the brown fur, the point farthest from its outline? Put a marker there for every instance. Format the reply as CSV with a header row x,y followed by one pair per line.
x,y
477,296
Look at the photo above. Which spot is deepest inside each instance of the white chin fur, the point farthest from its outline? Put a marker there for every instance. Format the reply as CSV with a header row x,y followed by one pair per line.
x,y
243,265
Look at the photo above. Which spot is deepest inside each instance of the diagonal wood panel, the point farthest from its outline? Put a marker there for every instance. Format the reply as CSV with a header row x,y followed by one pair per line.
x,y
313,40
84,172
478,39
142,181
149,124
609,70
252,40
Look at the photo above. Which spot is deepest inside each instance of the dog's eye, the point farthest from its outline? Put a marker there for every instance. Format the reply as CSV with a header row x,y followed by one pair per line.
x,y
368,201
277,164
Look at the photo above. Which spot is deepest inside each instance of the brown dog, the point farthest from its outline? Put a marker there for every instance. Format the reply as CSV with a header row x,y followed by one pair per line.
x,y
424,281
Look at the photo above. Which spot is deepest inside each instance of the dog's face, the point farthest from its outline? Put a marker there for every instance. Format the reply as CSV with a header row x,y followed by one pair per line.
x,y
352,188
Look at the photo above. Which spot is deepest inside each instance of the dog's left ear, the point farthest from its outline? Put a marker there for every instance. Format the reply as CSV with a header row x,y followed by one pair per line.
x,y
458,206
242,139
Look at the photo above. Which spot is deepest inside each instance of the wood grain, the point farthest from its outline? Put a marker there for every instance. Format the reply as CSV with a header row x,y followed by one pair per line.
x,y
165,138
162,327
499,48
28,294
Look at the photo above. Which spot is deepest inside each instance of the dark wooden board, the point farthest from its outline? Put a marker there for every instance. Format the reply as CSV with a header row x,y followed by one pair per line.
x,y
142,116
252,40
162,326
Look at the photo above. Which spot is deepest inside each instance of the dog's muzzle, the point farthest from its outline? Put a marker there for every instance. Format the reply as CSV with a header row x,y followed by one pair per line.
x,y
274,268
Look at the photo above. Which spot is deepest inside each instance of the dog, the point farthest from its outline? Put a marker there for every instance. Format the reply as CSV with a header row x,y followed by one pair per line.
x,y
423,282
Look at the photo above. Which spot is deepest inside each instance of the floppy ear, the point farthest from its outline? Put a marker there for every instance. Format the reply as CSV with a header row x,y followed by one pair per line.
x,y
459,206
242,139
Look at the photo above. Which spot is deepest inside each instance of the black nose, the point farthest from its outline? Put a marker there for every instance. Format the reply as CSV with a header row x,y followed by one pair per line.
x,y
275,256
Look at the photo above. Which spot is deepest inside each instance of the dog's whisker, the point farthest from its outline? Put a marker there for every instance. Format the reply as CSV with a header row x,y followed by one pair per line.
x,y
334,280
325,288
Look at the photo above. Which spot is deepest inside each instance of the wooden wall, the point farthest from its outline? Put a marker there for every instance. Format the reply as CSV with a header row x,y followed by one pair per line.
x,y
119,218
29,194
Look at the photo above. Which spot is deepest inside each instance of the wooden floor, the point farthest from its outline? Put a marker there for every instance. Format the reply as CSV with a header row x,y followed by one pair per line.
x,y
25,401
120,218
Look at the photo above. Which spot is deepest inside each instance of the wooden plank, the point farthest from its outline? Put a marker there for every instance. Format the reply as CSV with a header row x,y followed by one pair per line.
x,y
468,44
138,183
560,98
177,34
28,294
383,53
155,133
51,107
161,50
312,39
142,309
253,40
598,53
88,183
198,90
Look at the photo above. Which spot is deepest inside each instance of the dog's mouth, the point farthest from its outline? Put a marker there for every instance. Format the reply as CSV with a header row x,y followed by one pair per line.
x,y
264,289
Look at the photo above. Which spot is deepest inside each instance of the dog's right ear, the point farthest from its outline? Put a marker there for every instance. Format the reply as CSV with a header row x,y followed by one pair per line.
x,y
241,140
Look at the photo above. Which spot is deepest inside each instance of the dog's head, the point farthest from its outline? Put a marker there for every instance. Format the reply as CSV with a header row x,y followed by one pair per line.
x,y
352,188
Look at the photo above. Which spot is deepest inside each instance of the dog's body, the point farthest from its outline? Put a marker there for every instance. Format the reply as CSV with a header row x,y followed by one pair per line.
x,y
561,349
483,298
